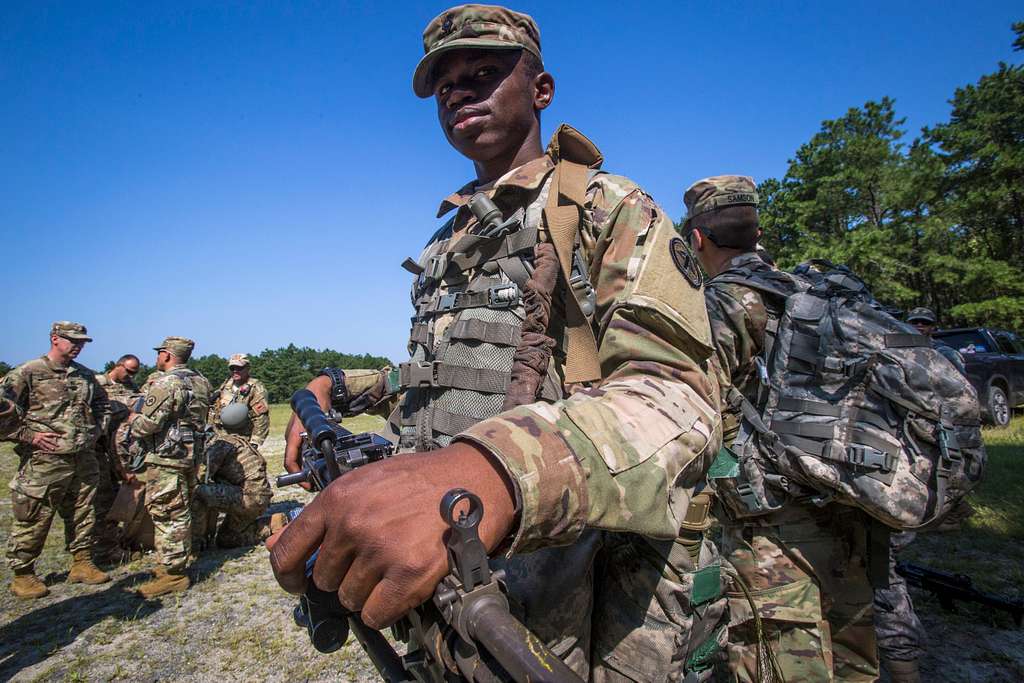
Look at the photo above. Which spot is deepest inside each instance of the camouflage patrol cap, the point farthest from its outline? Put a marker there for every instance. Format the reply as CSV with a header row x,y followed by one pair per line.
x,y
70,330
922,314
718,192
487,27
179,347
239,360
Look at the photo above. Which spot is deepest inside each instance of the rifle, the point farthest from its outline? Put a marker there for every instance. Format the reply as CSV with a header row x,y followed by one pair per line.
x,y
466,631
949,587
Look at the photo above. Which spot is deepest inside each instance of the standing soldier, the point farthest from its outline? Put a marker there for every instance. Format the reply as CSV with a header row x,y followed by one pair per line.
x,y
803,565
62,410
241,388
558,371
925,321
233,480
170,429
122,394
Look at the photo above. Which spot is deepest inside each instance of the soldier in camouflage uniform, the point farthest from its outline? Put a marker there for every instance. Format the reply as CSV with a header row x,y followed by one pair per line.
x,y
925,321
122,394
804,566
241,388
61,410
169,430
232,479
582,415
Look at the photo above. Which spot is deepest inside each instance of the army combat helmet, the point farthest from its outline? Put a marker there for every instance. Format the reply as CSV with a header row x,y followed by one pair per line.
x,y
235,416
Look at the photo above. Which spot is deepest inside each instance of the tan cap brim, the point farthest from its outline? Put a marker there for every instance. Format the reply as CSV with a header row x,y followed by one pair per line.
x,y
421,77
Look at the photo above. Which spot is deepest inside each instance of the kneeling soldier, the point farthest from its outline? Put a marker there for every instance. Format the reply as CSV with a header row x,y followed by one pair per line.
x,y
233,480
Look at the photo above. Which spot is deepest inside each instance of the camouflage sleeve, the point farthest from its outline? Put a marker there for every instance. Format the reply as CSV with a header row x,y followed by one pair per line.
x,y
261,411
738,318
102,411
15,388
369,391
10,417
161,397
623,455
213,414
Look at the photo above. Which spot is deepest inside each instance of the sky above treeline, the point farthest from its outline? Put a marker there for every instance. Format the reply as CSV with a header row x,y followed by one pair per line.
x,y
252,174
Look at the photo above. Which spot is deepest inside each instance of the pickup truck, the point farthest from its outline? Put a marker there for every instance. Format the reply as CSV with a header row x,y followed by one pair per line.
x,y
995,366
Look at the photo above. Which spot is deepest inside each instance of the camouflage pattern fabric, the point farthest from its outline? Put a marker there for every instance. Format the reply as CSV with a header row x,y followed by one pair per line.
x,y
10,417
48,397
254,395
170,415
607,473
61,399
233,480
901,635
168,501
805,566
49,483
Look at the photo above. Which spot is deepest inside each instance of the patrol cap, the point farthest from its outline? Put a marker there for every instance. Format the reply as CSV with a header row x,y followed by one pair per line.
x,y
486,27
70,330
922,315
239,360
179,347
718,192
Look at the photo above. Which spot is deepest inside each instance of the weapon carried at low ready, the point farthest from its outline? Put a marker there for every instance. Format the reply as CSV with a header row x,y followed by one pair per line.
x,y
949,588
466,630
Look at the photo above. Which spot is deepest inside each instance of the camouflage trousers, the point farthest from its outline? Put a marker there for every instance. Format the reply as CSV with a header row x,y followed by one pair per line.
x,y
242,513
49,483
169,503
806,571
901,635
620,607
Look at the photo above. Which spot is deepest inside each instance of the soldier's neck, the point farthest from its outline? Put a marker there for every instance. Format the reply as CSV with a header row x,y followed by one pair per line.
x,y
719,260
489,170
58,358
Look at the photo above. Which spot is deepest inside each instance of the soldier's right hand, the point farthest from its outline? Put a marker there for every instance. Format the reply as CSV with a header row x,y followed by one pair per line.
x,y
380,532
321,388
46,442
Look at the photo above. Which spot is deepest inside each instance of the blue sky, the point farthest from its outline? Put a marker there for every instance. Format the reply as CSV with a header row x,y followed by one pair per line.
x,y
252,174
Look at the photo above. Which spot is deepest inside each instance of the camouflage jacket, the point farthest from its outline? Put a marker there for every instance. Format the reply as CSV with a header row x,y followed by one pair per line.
x,y
121,396
231,459
10,417
61,399
738,318
171,416
624,454
254,395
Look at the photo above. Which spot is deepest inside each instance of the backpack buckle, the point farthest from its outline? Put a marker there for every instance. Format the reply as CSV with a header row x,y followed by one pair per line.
x,y
436,267
869,458
749,498
418,374
448,301
502,296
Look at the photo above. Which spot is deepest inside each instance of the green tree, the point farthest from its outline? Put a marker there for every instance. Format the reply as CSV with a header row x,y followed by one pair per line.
x,y
211,366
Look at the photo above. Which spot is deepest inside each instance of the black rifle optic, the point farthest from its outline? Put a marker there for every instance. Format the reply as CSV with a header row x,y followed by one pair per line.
x,y
466,631
949,588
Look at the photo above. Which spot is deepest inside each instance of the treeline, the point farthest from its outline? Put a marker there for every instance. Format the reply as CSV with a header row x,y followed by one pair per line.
x,y
283,371
935,221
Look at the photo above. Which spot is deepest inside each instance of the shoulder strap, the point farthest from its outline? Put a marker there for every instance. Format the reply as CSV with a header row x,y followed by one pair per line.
x,y
562,216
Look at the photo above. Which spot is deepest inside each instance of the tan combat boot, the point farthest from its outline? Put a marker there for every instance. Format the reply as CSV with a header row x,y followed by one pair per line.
x,y
28,586
267,527
84,571
164,582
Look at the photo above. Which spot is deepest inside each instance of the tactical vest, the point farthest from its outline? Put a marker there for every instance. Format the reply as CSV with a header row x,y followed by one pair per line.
x,y
468,297
187,435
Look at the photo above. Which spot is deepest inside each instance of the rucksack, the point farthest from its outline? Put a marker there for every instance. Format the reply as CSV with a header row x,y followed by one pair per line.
x,y
853,406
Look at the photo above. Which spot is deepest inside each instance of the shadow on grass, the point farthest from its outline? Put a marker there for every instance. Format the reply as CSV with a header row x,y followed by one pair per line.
x,y
39,634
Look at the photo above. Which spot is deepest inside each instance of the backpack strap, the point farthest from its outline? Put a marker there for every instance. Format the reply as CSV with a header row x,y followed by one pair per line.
x,y
562,215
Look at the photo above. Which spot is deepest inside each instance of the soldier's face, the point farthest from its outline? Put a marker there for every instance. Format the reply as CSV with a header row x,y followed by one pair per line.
x,y
239,374
124,371
487,101
67,348
924,328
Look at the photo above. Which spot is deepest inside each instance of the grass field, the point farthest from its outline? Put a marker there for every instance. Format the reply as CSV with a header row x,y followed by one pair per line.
x,y
235,623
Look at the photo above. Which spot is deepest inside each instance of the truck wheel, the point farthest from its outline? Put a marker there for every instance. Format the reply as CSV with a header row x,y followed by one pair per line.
x,y
998,406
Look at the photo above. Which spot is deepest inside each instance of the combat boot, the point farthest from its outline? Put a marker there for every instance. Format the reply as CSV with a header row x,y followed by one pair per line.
x,y
267,527
903,671
27,585
84,571
164,582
